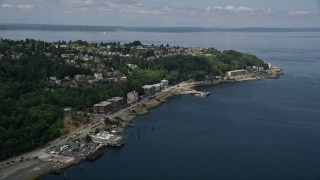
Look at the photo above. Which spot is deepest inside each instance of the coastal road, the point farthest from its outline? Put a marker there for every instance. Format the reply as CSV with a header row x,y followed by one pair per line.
x,y
38,158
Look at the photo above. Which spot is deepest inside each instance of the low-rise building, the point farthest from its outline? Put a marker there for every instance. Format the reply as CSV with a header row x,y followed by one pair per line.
x,y
111,80
236,72
149,90
53,78
257,68
132,66
103,107
98,76
116,102
106,138
165,83
79,77
158,86
132,97
89,77
123,79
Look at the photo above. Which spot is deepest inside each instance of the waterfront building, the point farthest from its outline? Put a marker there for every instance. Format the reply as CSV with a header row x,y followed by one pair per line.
x,y
103,107
149,90
165,83
107,139
132,97
116,102
258,69
157,87
236,72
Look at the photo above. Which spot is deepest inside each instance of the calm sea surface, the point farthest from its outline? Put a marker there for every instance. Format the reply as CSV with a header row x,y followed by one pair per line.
x,y
268,129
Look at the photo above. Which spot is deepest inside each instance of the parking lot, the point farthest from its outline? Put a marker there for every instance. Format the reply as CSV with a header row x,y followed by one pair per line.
x,y
78,149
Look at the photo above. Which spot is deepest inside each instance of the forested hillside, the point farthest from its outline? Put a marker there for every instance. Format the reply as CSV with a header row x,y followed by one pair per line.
x,y
31,109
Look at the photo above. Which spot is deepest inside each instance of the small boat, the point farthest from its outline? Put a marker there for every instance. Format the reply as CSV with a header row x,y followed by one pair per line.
x,y
202,94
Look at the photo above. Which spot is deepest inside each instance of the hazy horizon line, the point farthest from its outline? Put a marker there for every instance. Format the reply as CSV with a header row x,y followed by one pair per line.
x,y
68,27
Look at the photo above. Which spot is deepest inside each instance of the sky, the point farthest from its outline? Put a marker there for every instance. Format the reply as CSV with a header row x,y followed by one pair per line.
x,y
164,13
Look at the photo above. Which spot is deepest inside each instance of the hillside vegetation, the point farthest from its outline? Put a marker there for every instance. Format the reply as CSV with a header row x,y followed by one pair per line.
x,y
32,108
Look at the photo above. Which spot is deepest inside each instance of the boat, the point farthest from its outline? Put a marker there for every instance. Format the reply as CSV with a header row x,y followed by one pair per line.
x,y
202,94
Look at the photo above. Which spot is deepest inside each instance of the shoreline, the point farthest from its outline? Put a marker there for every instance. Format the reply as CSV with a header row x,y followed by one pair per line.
x,y
150,105
37,168
170,91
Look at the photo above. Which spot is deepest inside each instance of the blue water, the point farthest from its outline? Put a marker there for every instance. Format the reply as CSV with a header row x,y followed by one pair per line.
x,y
267,129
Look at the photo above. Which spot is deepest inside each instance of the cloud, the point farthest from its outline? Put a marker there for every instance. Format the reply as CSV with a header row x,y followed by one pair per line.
x,y
84,2
269,11
142,9
238,9
231,8
6,6
24,6
295,13
248,10
76,10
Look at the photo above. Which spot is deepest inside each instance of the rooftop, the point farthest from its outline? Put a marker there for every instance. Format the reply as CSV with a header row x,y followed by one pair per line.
x,y
103,103
116,99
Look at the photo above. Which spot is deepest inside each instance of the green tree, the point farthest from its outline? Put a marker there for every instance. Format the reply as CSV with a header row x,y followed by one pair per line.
x,y
97,130
107,121
88,138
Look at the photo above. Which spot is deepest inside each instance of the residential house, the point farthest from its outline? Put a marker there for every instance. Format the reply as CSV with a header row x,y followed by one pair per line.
x,y
123,79
79,77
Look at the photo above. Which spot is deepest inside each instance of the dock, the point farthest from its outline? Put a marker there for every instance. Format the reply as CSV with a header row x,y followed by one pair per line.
x,y
95,155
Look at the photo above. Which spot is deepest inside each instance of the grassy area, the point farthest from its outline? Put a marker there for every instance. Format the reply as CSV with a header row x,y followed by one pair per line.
x,y
145,108
139,111
69,122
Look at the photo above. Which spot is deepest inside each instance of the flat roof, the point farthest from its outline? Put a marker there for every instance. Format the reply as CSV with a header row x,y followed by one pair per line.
x,y
103,103
238,70
116,99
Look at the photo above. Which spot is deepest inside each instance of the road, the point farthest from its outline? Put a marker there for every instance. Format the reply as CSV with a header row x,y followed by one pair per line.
x,y
32,165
